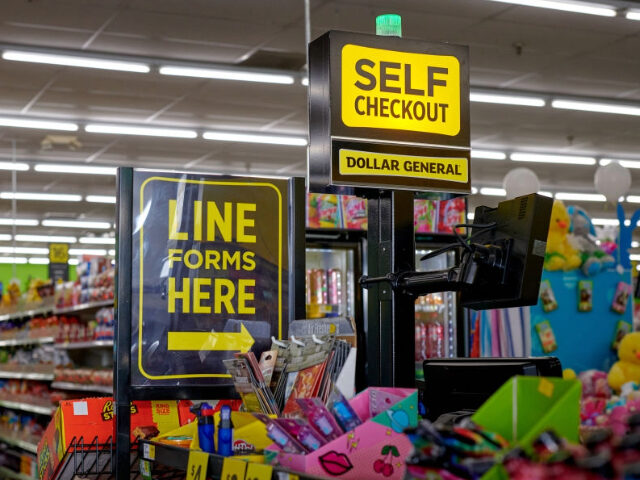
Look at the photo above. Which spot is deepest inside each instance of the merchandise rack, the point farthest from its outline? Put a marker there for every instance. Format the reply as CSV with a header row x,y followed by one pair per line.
x,y
16,442
79,387
51,309
14,342
178,458
79,345
27,407
6,473
27,375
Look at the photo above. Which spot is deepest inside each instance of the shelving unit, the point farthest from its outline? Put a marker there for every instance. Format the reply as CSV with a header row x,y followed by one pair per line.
x,y
51,309
16,442
27,375
6,473
79,345
27,407
82,388
25,341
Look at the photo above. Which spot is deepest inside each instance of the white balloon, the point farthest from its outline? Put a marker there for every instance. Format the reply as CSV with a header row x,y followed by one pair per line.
x,y
520,181
612,181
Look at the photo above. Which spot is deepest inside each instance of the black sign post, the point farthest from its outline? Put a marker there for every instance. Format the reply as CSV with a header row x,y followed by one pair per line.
x,y
207,266
388,117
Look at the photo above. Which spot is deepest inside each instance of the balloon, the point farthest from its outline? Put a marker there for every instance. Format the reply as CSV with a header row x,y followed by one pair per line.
x,y
612,181
520,181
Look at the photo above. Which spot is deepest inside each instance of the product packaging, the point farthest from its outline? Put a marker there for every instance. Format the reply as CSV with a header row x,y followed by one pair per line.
x,y
547,338
356,454
354,212
622,328
621,297
450,213
585,295
547,297
424,215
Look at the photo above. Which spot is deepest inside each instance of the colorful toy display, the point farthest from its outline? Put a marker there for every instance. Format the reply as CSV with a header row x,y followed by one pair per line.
x,y
561,255
627,368
583,237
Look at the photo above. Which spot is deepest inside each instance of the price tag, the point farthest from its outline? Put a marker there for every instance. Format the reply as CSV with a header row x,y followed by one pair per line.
x,y
197,466
258,471
232,469
145,469
149,451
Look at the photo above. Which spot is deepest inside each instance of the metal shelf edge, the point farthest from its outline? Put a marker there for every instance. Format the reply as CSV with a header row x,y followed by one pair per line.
x,y
27,407
82,388
39,311
29,447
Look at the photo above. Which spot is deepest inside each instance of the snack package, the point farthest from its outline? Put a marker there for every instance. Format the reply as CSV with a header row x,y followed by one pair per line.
x,y
354,212
424,215
312,211
621,330
320,418
585,295
547,297
450,213
328,211
621,297
547,338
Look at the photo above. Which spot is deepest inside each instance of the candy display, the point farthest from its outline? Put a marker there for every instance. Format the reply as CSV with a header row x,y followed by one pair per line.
x,y
94,284
73,329
84,376
30,392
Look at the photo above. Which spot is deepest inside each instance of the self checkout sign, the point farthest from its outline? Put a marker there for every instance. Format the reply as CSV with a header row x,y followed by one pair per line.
x,y
210,273
388,112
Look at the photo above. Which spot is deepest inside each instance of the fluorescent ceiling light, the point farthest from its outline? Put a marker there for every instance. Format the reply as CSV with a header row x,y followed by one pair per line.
x,y
567,6
495,192
140,130
87,251
17,166
544,193
98,240
624,163
597,107
470,216
45,238
633,198
474,190
20,222
75,61
75,224
25,250
82,169
255,138
505,99
635,244
305,81
488,154
585,197
544,158
74,261
632,14
100,199
50,197
13,260
112,252
605,221
5,237
39,261
634,257
40,124
227,74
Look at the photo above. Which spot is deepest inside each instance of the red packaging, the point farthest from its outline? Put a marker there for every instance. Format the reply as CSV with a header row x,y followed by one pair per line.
x,y
450,213
334,286
435,341
318,287
354,212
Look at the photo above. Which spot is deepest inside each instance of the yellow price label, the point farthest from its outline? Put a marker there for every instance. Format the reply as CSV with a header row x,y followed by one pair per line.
x,y
545,387
149,451
259,471
58,252
197,466
233,469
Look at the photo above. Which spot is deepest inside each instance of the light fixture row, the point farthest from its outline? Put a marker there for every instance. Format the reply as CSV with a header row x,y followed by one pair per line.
x,y
52,197
33,260
31,238
564,196
551,158
577,6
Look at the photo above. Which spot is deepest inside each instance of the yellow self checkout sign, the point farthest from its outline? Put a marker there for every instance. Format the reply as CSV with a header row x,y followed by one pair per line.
x,y
400,91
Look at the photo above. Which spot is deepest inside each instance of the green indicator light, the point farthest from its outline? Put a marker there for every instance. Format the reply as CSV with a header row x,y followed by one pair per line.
x,y
389,25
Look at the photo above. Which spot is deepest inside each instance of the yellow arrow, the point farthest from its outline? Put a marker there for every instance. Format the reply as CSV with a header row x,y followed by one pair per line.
x,y
207,341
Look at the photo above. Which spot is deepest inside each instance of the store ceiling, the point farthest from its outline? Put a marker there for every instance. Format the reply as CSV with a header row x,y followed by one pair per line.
x,y
512,48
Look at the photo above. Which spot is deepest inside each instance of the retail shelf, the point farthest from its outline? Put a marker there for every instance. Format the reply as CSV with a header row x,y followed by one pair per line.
x,y
79,345
27,375
82,388
84,306
25,341
27,407
52,309
178,458
16,442
6,473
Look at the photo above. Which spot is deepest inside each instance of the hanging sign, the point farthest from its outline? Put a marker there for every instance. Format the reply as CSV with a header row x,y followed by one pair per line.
x,y
388,112
210,273
59,262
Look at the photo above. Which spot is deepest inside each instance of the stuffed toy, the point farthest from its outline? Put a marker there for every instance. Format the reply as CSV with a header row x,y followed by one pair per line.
x,y
627,368
583,238
560,253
